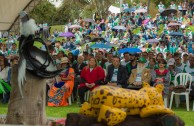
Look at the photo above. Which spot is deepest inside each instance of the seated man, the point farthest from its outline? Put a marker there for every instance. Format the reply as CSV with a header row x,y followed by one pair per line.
x,y
116,74
190,69
173,69
140,74
78,66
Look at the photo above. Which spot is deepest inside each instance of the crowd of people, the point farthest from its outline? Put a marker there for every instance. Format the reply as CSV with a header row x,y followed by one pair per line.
x,y
165,41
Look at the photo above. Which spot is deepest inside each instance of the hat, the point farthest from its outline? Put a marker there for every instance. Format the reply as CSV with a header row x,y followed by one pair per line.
x,y
64,60
142,60
171,61
22,14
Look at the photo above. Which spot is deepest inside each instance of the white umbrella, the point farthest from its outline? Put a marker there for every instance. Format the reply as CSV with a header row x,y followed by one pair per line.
x,y
141,11
119,27
114,9
75,26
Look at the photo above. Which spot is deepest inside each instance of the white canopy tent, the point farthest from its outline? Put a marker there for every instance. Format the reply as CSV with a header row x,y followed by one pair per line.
x,y
114,9
9,10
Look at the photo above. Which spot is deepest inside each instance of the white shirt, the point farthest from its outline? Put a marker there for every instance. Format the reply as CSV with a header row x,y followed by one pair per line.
x,y
161,7
190,71
114,76
173,6
124,63
180,7
4,74
181,67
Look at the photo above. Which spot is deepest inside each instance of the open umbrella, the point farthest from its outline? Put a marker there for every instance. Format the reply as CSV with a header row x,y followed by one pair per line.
x,y
168,12
152,41
119,27
88,20
100,45
129,10
130,50
174,24
140,11
145,22
176,34
66,34
96,39
75,26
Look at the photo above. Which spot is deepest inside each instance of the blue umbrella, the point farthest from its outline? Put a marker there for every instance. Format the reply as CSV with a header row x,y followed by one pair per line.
x,y
75,52
129,10
176,34
130,50
119,27
66,34
100,45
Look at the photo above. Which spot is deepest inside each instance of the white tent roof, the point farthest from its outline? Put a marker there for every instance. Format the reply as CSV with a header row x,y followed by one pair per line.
x,y
9,10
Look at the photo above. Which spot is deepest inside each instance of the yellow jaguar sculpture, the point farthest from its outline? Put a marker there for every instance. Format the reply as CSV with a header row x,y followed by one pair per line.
x,y
111,104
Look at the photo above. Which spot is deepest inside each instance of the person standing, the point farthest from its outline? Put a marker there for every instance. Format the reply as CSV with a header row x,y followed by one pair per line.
x,y
172,5
161,7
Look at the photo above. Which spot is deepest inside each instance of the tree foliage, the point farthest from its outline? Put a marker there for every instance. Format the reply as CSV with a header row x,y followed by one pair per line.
x,y
43,12
72,9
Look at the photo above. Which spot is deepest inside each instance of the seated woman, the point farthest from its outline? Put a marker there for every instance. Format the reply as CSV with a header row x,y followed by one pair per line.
x,y
162,76
140,74
62,88
91,77
4,77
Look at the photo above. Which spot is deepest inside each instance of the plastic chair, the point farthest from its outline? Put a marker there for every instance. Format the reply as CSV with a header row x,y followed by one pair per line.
x,y
71,99
165,102
87,95
184,78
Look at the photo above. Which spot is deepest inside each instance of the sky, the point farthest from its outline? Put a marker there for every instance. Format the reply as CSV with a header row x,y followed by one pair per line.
x,y
57,3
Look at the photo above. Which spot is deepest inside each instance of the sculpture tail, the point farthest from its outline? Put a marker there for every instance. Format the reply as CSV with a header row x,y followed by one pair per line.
x,y
21,74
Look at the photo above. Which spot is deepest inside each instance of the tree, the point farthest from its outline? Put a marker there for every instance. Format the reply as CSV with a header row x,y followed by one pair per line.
x,y
43,12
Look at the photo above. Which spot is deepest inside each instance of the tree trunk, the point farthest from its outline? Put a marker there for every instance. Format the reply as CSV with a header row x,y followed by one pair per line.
x,y
148,6
29,110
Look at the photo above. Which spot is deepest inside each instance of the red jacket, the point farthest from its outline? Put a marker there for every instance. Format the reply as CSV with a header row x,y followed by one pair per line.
x,y
96,76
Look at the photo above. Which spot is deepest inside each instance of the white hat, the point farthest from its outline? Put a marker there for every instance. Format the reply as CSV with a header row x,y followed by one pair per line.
x,y
171,61
64,60
22,14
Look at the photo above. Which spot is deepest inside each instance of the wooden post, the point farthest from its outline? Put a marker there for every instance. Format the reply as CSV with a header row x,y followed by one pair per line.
x,y
29,110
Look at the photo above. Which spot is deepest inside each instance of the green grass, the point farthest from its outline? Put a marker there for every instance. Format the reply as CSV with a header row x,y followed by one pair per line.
x,y
57,27
60,112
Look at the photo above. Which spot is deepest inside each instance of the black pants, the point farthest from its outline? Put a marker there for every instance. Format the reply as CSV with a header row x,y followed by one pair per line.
x,y
81,92
77,81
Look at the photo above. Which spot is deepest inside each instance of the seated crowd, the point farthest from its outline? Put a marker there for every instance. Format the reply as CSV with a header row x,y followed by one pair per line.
x,y
86,71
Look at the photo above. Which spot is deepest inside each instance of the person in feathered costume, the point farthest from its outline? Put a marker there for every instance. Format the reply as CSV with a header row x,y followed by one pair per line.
x,y
35,60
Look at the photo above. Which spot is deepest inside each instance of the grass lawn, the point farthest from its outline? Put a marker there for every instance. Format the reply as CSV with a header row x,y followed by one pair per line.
x,y
60,112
